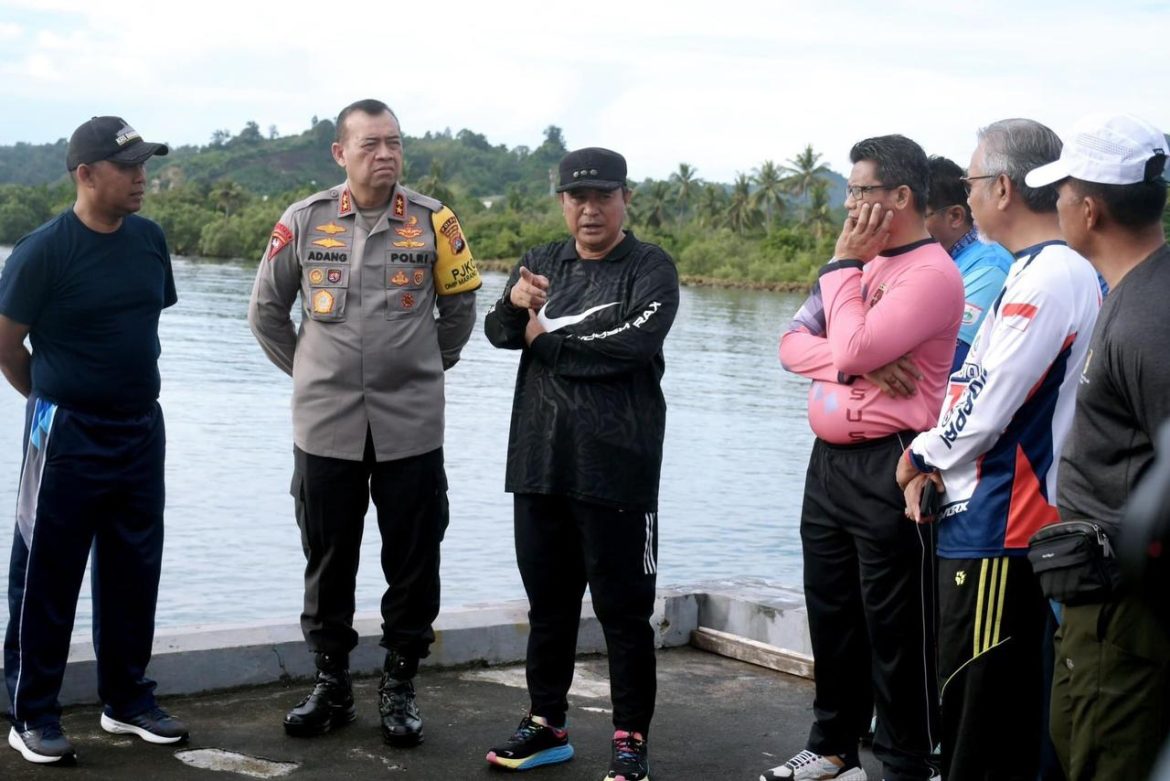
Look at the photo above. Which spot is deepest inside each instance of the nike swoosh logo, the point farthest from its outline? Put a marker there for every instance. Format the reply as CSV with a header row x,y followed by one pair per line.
x,y
554,323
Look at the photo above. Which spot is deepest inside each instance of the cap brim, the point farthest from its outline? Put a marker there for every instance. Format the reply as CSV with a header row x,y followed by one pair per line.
x,y
139,153
1047,174
590,184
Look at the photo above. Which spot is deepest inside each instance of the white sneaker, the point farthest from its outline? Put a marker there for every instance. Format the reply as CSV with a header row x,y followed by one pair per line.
x,y
807,766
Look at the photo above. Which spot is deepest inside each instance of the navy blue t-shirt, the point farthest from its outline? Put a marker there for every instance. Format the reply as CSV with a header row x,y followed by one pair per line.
x,y
92,302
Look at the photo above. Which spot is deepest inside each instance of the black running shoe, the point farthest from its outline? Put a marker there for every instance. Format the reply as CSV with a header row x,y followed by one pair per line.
x,y
629,762
43,745
535,743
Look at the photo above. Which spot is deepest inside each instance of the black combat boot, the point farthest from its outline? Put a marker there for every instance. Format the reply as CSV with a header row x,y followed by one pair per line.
x,y
401,721
329,704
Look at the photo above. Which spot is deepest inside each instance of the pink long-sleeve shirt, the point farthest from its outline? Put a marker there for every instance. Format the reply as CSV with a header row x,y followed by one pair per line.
x,y
908,300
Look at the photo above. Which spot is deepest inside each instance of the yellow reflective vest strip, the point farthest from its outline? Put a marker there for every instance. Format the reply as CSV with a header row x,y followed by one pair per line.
x,y
454,268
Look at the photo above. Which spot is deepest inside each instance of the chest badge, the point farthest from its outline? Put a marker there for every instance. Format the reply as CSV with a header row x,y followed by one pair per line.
x,y
400,278
410,230
329,243
323,302
407,301
409,244
334,275
316,276
331,229
419,276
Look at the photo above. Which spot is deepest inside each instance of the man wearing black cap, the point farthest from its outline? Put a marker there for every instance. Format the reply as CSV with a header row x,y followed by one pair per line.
x,y
87,289
590,314
1112,674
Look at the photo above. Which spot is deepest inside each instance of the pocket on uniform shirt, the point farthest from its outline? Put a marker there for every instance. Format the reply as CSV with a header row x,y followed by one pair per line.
x,y
327,304
406,287
328,285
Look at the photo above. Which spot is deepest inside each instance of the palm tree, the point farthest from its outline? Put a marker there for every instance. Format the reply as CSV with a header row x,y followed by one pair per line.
x,y
769,191
742,213
818,215
712,206
685,184
228,195
432,183
652,204
803,171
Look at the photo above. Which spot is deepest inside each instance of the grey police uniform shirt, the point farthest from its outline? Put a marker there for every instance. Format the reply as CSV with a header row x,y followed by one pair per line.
x,y
370,352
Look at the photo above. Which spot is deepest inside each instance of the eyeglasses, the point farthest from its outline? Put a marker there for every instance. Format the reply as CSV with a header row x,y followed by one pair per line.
x,y
966,180
859,191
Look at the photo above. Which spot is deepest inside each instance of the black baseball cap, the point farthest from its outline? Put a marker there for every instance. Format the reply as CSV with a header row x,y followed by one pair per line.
x,y
592,168
109,138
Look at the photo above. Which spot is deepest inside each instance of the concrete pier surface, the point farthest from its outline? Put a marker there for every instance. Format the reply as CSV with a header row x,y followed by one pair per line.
x,y
717,717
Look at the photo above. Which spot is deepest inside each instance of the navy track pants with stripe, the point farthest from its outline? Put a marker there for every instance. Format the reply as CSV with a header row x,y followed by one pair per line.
x,y
89,483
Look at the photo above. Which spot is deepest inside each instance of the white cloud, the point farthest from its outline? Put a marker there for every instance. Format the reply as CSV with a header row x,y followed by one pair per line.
x,y
721,86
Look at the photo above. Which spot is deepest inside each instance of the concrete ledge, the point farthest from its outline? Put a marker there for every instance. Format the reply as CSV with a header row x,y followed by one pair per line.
x,y
208,658
753,652
758,610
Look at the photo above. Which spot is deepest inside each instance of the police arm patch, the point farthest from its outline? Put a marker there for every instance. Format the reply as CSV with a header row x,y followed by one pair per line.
x,y
455,270
281,236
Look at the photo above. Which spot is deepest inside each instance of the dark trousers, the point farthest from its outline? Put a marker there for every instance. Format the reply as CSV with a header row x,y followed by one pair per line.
x,y
562,544
992,621
1111,693
89,483
869,589
333,496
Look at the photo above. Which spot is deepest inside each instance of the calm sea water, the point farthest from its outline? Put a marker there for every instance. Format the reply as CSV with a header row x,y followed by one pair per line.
x,y
736,446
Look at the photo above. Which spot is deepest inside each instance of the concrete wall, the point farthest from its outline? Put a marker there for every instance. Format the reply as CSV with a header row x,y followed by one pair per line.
x,y
208,658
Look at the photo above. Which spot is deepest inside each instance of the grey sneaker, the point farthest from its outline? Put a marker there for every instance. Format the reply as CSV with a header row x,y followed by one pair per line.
x,y
153,726
807,766
43,745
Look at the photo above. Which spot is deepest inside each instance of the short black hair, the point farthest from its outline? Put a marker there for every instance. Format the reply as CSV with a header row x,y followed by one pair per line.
x,y
1016,146
368,106
1129,205
946,186
898,161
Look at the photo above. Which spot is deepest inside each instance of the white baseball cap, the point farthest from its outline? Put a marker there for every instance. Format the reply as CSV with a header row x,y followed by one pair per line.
x,y
1107,149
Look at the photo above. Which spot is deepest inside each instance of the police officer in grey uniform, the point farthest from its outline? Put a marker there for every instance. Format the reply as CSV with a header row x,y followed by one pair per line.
x,y
372,262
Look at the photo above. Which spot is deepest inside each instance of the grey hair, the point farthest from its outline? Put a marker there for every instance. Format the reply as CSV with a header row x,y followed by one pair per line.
x,y
1016,146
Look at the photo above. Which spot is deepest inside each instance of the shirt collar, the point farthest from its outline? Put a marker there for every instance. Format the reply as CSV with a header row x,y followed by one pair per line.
x,y
623,248
892,251
966,240
397,210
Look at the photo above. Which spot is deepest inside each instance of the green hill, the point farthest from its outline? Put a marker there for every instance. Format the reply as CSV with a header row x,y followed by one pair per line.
x,y
772,226
467,162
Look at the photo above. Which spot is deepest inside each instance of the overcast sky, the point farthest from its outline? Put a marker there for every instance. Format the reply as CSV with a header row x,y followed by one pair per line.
x,y
720,85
